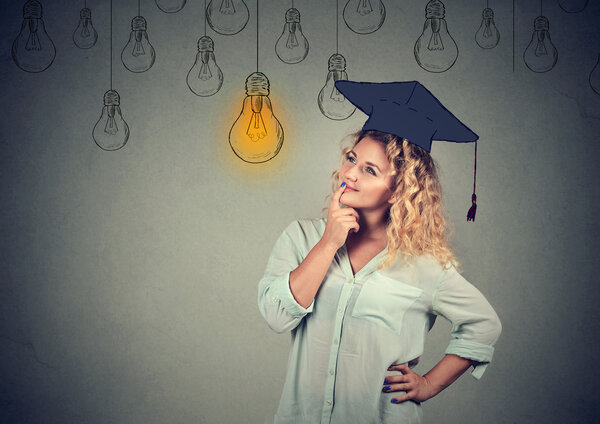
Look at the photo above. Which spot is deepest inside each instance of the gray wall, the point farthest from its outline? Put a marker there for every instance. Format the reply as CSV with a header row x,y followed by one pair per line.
x,y
129,278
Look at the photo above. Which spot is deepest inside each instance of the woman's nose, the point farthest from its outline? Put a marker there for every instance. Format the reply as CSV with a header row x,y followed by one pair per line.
x,y
351,173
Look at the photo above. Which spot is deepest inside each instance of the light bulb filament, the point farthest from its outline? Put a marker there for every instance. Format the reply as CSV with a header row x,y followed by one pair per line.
x,y
33,42
292,40
138,48
256,128
111,124
435,42
227,7
540,48
85,31
487,32
205,72
364,7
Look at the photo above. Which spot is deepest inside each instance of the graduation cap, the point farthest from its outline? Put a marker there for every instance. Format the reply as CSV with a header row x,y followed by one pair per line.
x,y
407,109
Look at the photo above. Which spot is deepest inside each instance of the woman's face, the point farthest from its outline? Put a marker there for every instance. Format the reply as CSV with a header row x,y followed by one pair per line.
x,y
366,174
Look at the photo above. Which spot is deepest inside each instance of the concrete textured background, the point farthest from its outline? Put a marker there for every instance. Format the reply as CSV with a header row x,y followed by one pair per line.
x,y
128,279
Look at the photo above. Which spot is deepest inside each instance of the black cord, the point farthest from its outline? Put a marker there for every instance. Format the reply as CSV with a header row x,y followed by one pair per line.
x,y
111,47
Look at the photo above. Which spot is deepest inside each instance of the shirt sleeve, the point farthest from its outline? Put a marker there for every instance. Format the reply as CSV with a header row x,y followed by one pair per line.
x,y
475,325
275,300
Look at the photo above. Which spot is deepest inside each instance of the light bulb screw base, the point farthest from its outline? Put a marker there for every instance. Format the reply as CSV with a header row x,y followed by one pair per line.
x,y
206,44
85,13
541,23
292,15
138,24
337,62
32,10
435,9
111,98
257,84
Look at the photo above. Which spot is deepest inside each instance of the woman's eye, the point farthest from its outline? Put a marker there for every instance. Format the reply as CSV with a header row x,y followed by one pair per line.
x,y
350,158
371,170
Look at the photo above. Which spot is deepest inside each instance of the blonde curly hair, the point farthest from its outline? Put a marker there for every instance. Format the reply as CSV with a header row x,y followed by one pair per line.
x,y
415,223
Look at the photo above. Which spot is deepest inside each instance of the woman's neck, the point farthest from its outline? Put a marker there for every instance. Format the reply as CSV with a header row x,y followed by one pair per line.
x,y
372,225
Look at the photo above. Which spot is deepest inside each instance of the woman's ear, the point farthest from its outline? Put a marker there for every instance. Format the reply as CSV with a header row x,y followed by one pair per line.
x,y
392,199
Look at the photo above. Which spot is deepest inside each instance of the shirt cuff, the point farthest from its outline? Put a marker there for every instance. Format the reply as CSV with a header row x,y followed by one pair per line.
x,y
281,292
478,352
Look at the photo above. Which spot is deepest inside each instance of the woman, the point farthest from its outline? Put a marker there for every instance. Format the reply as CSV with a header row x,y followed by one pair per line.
x,y
360,289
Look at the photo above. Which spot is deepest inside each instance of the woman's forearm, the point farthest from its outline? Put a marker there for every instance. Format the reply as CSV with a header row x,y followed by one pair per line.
x,y
447,371
306,279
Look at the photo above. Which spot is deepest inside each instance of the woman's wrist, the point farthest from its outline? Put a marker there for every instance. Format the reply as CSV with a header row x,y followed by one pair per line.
x,y
326,247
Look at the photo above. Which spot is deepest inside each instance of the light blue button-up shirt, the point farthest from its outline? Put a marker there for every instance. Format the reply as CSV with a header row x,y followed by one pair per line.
x,y
359,325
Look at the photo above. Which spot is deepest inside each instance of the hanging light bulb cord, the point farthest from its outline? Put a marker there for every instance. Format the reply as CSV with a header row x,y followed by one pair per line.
x,y
111,47
205,18
256,35
337,24
139,12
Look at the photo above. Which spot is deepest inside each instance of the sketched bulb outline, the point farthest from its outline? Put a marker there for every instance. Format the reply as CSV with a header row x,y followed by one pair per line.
x,y
487,36
85,35
138,55
33,50
435,50
256,135
292,45
595,77
572,6
540,55
111,132
331,102
205,77
364,16
227,17
170,6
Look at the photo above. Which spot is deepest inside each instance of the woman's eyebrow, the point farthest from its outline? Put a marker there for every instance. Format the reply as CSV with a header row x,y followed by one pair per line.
x,y
368,163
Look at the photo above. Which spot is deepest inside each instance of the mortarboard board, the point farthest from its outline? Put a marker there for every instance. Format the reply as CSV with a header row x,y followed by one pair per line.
x,y
407,109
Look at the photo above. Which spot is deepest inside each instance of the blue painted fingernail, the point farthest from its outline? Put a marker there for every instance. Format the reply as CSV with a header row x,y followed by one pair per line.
x,y
343,184
387,388
395,400
385,380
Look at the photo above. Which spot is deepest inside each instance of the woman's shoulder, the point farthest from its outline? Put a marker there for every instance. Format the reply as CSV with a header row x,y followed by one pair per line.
x,y
306,228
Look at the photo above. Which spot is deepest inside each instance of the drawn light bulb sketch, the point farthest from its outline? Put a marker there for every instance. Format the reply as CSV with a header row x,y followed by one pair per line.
x,y
435,50
572,6
138,54
170,6
111,131
205,78
292,45
332,103
595,77
256,135
33,50
364,16
540,55
487,36
227,17
85,35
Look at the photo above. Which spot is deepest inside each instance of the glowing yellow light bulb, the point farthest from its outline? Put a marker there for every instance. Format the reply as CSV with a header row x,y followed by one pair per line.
x,y
256,136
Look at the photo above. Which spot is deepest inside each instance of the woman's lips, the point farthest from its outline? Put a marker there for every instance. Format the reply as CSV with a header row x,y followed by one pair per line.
x,y
349,189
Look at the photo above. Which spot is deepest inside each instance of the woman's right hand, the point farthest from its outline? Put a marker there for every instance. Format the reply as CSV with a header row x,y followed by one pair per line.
x,y
340,221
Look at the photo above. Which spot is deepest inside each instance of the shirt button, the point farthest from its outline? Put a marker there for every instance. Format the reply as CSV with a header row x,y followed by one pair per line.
x,y
340,310
330,372
349,280
336,340
328,402
274,298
